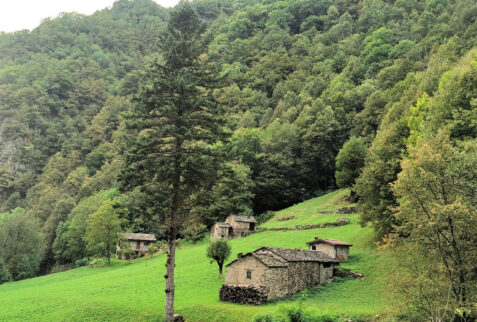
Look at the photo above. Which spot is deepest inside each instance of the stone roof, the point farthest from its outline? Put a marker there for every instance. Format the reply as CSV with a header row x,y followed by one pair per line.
x,y
224,225
244,219
302,255
332,242
269,258
280,257
141,237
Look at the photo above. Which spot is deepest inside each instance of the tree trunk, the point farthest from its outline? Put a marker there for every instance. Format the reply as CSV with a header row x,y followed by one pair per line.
x,y
170,264
109,257
221,265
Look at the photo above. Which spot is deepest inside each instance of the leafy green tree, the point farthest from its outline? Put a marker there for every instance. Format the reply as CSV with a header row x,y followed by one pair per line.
x,y
349,162
231,194
61,243
219,250
102,230
437,187
176,121
21,246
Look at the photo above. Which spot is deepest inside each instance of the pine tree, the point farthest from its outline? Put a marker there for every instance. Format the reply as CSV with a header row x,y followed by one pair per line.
x,y
175,119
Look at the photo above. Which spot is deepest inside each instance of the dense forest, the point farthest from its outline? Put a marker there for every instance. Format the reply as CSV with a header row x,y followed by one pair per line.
x,y
379,96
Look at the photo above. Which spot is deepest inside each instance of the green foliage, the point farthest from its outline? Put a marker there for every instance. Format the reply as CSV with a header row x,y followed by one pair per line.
x,y
21,246
194,231
219,250
262,218
102,230
5,275
81,262
434,187
349,162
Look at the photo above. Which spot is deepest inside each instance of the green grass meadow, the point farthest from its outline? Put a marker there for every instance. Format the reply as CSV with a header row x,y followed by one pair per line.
x,y
135,292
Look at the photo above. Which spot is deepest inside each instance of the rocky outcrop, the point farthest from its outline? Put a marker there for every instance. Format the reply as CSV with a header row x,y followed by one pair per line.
x,y
345,272
254,295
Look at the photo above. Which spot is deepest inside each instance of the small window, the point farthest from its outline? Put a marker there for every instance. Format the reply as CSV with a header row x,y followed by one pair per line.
x,y
313,247
327,265
249,274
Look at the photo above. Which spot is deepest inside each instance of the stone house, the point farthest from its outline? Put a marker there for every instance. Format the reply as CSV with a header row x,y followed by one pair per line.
x,y
272,273
233,227
336,249
138,243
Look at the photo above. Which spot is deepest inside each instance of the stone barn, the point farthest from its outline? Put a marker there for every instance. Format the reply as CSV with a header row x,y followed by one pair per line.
x,y
139,243
334,248
272,273
233,227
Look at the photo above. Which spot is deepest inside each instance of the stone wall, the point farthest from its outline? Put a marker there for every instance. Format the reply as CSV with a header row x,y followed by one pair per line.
x,y
239,228
219,232
343,211
303,275
237,273
339,222
277,282
342,252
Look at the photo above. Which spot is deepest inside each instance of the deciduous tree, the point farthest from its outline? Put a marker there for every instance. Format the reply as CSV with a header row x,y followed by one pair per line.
x,y
102,230
219,250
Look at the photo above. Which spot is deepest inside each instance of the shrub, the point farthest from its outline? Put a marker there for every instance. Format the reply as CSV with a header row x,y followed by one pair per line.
x,y
266,216
81,262
5,275
267,317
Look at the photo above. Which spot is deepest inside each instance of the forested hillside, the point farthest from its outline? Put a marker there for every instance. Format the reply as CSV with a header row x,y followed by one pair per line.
x,y
394,80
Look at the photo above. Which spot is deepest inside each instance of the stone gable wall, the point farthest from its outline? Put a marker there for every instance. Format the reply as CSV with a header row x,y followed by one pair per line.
x,y
236,274
219,232
326,249
240,228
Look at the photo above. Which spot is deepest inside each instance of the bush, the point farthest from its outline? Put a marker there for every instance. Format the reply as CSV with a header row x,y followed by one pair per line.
x,y
297,314
5,275
266,216
267,317
81,262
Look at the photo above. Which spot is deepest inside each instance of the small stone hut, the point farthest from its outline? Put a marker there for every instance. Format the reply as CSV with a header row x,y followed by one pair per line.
x,y
139,243
336,249
233,227
271,273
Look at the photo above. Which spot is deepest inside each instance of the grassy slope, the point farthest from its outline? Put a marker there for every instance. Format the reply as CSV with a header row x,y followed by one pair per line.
x,y
135,292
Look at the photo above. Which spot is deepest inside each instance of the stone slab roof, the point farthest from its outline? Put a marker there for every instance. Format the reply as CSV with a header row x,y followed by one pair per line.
x,y
281,257
244,219
223,225
332,242
269,258
140,237
302,255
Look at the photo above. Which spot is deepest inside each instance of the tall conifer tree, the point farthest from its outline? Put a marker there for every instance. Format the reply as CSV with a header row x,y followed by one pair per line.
x,y
176,122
